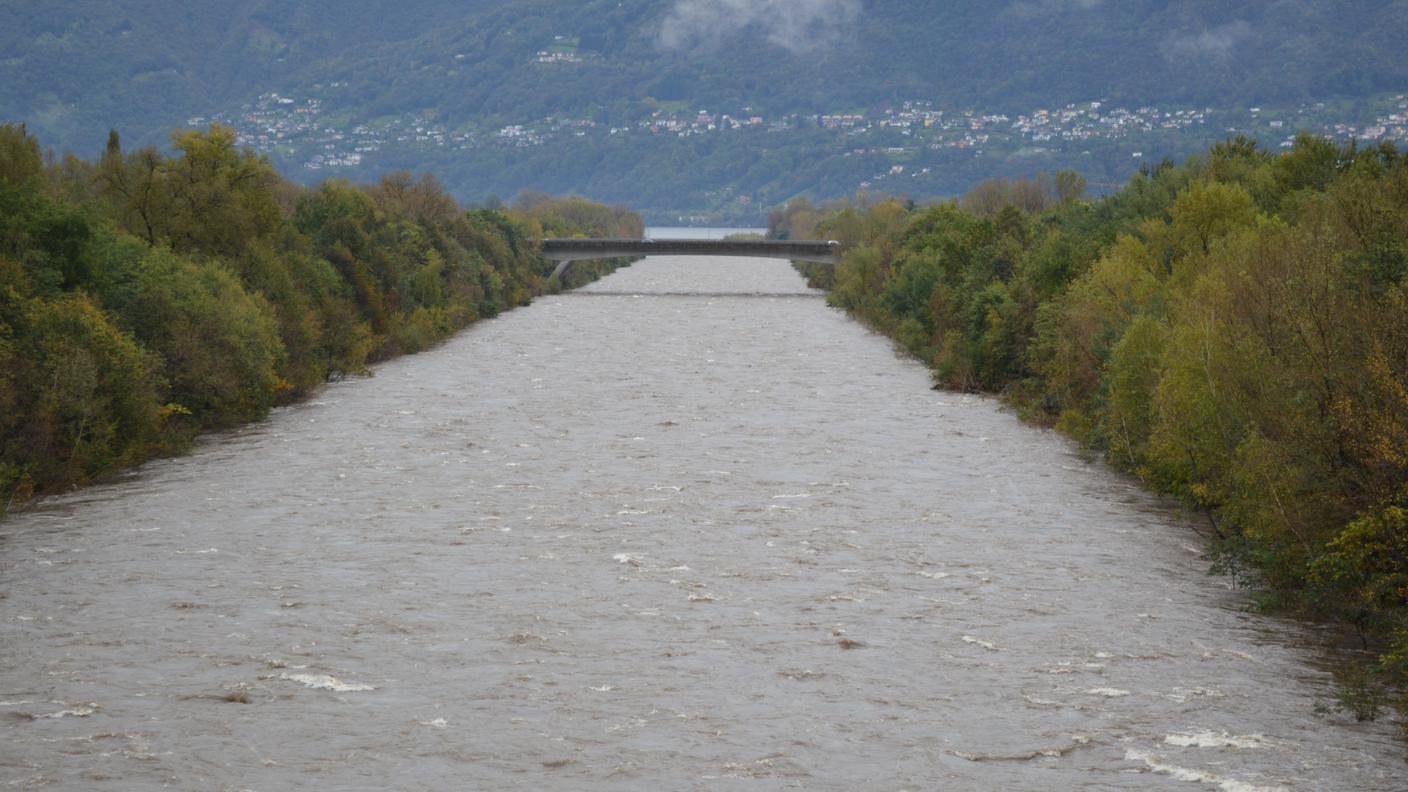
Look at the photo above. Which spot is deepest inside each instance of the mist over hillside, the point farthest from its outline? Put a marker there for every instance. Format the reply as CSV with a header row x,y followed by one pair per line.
x,y
470,68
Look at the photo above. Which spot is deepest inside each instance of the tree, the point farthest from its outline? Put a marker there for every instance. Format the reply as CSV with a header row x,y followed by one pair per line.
x,y
20,159
90,400
137,189
221,197
219,345
1209,210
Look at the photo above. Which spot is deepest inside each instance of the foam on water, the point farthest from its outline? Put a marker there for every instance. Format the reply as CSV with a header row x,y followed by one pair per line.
x,y
1215,740
327,682
1158,765
72,712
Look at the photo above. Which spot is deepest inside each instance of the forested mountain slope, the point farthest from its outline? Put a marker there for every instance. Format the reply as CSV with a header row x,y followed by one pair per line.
x,y
71,66
68,67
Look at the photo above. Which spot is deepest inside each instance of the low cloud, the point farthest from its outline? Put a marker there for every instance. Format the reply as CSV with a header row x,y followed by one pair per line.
x,y
797,25
1220,43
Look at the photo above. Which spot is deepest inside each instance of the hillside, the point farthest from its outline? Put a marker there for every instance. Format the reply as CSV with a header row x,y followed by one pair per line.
x,y
570,73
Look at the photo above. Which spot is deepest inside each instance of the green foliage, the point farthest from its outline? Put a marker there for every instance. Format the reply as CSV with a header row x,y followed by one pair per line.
x,y
1368,562
1361,691
1207,211
574,216
145,298
1132,379
1031,196
80,394
219,344
20,161
219,197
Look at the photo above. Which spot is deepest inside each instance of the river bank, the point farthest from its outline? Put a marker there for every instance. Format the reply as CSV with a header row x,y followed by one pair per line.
x,y
1227,331
147,298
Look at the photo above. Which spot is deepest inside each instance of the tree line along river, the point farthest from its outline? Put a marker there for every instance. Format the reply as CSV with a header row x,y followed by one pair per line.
x,y
685,528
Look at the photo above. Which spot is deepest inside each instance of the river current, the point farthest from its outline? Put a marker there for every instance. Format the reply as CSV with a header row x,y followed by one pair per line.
x,y
687,528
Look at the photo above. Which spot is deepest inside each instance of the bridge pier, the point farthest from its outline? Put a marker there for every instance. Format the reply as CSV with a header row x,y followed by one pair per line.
x,y
560,271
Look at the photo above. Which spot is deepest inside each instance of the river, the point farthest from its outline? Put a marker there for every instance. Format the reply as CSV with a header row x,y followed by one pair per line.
x,y
687,528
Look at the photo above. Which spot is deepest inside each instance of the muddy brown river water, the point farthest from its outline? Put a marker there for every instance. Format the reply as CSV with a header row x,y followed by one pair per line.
x,y
685,529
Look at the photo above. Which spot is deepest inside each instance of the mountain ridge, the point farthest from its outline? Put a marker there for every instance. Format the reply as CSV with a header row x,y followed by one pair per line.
x,y
73,68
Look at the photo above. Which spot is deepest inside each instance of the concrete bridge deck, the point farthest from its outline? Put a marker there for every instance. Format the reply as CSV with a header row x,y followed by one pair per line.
x,y
567,251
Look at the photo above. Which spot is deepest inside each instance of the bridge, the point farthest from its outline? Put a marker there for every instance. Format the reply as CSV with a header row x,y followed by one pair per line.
x,y
567,251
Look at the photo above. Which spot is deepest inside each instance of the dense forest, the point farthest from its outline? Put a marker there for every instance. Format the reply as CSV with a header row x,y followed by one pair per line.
x,y
145,298
1232,331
